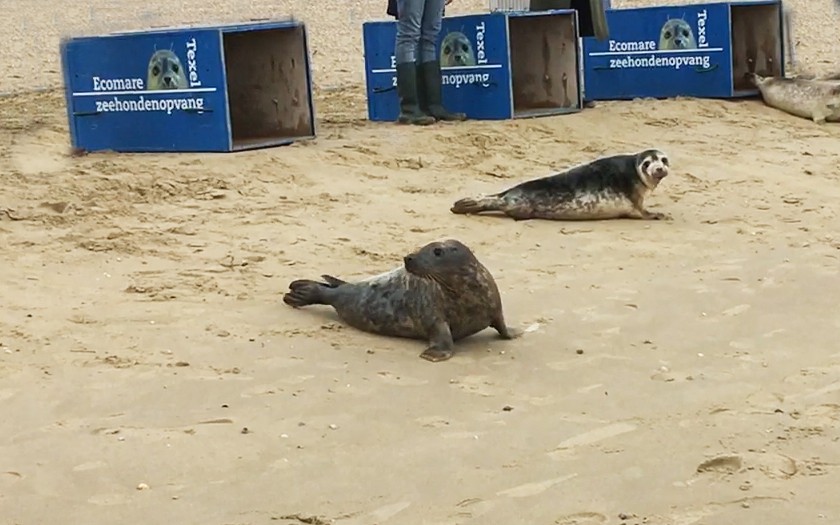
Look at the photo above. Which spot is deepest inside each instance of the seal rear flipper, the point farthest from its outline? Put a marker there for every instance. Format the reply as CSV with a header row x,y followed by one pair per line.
x,y
304,292
476,205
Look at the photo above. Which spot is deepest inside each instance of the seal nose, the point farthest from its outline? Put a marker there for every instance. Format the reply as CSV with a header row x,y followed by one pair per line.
x,y
660,173
408,259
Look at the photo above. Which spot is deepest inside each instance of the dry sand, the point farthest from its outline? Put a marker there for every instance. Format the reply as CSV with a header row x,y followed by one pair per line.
x,y
683,372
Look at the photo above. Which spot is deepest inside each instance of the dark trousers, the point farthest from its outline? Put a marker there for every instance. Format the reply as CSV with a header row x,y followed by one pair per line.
x,y
581,6
418,26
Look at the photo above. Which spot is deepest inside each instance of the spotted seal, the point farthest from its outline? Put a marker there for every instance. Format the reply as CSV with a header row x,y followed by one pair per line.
x,y
676,33
811,98
456,50
612,187
165,71
441,294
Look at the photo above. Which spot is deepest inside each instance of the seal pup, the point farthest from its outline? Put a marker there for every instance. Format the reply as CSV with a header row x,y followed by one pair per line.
x,y
815,99
611,187
165,71
676,34
440,294
456,50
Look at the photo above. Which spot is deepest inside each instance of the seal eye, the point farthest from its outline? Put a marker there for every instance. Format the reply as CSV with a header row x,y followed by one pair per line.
x,y
174,68
447,50
438,252
156,71
665,161
667,34
645,165
685,33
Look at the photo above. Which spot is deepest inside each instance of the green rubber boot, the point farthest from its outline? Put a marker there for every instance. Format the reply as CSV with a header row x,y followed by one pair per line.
x,y
430,77
410,112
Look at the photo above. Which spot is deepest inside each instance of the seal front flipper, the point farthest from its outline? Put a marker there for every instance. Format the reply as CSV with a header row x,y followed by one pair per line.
x,y
304,292
441,346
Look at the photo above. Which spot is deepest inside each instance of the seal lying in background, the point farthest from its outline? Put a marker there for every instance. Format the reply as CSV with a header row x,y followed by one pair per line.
x,y
816,99
442,293
607,188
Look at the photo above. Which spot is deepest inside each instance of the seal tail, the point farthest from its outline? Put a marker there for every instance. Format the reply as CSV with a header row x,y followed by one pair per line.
x,y
304,292
477,204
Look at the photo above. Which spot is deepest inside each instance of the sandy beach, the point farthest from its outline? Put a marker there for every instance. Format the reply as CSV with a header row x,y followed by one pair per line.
x,y
680,372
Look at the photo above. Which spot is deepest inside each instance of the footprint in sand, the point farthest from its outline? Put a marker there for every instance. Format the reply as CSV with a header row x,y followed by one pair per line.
x,y
736,310
90,465
388,511
721,464
598,434
534,488
9,477
581,518
773,466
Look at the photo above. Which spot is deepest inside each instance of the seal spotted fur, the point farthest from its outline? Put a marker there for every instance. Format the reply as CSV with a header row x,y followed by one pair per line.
x,y
441,294
815,99
607,188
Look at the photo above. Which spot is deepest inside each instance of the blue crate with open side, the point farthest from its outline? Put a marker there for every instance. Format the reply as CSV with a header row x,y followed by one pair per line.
x,y
192,88
694,50
498,65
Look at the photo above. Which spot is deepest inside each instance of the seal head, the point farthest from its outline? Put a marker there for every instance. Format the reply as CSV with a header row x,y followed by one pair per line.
x,y
456,50
165,71
652,166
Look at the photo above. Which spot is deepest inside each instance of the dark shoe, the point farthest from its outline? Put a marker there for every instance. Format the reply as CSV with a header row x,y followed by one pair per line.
x,y
410,112
431,77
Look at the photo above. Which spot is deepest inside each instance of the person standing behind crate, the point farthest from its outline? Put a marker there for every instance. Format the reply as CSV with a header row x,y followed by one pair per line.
x,y
419,77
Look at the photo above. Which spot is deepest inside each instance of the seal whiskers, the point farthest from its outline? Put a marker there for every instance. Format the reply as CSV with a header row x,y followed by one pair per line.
x,y
442,294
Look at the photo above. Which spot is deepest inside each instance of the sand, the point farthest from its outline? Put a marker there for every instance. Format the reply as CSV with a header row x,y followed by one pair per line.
x,y
681,372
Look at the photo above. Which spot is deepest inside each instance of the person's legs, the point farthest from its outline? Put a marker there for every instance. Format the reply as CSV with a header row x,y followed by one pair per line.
x,y
428,67
410,17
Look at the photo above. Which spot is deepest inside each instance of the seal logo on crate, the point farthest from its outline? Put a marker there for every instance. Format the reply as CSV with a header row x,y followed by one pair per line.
x,y
676,47
165,71
456,50
676,33
700,50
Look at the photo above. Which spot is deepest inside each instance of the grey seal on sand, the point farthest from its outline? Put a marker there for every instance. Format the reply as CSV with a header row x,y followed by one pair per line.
x,y
611,187
440,294
815,99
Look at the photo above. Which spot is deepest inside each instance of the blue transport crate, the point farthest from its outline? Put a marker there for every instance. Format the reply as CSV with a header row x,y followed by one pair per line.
x,y
694,50
497,65
194,88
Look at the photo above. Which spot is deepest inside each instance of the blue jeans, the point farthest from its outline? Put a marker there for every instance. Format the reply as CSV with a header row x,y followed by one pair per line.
x,y
418,27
